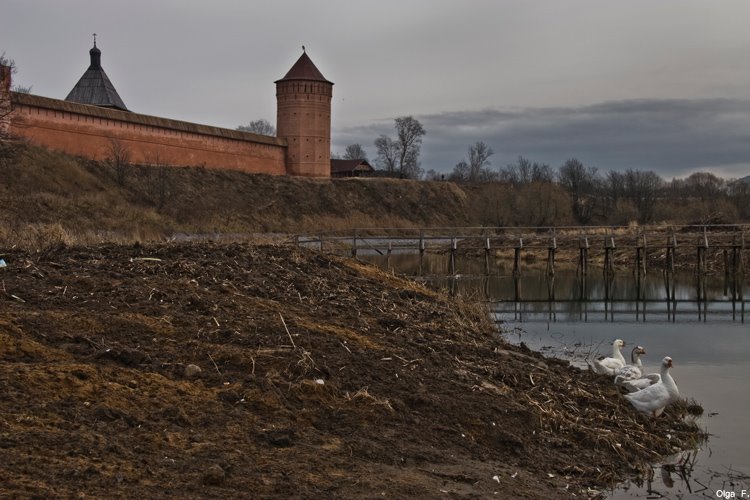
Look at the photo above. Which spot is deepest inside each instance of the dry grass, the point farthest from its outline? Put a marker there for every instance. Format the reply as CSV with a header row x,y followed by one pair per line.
x,y
72,200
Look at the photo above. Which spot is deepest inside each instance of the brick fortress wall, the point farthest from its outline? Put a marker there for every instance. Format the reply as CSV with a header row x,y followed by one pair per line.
x,y
89,131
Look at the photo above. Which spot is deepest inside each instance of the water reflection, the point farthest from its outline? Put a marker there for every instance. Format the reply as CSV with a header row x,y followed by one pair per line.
x,y
566,296
683,477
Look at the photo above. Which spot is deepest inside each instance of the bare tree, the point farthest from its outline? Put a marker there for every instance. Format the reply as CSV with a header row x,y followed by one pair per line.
x,y
613,190
260,127
409,132
160,183
642,189
519,173
6,102
6,105
433,175
355,152
581,183
6,61
461,172
477,168
402,155
479,161
541,172
119,160
704,185
387,158
739,194
541,204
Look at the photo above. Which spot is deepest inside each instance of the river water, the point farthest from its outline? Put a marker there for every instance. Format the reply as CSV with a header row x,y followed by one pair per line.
x,y
709,342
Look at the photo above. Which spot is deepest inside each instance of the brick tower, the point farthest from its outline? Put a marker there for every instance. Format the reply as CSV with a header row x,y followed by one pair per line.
x,y
303,118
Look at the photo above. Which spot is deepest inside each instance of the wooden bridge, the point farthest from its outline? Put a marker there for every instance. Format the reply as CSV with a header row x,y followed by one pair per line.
x,y
704,249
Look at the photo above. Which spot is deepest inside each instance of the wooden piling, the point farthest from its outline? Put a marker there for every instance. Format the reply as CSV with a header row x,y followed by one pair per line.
x,y
583,267
551,249
487,256
609,273
388,255
582,273
640,272
517,276
421,252
668,272
701,270
452,264
517,258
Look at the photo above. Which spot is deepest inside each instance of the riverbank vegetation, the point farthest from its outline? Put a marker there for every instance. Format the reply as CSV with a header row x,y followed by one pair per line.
x,y
50,197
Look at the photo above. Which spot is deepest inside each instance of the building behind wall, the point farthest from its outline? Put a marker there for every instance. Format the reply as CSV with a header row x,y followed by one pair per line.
x,y
93,120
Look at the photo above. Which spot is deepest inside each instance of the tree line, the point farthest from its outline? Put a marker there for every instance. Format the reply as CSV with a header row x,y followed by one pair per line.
x,y
579,194
537,194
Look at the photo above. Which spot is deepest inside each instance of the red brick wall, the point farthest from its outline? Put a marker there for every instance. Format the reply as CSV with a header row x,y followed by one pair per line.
x,y
89,131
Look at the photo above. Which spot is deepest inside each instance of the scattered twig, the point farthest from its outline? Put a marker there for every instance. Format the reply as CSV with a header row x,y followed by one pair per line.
x,y
287,331
215,365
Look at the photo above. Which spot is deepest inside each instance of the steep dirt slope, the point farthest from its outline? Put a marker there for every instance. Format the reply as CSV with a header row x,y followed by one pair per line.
x,y
267,371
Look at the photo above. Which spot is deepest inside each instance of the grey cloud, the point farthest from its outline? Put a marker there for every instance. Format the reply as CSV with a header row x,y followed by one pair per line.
x,y
673,137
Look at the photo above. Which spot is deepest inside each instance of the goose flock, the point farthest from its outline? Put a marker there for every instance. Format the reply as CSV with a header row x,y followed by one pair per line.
x,y
649,393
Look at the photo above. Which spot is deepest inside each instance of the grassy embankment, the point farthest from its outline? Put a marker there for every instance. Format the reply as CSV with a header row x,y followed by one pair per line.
x,y
50,198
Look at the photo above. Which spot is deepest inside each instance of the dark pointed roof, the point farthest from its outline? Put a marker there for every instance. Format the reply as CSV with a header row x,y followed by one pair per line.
x,y
94,87
304,69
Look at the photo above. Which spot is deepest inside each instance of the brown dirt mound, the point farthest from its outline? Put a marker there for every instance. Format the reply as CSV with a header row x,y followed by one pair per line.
x,y
267,371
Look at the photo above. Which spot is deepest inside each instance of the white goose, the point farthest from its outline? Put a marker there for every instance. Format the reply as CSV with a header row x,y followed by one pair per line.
x,y
654,398
640,383
607,366
632,371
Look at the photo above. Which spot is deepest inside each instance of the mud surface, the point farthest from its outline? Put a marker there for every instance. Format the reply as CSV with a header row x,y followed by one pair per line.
x,y
209,370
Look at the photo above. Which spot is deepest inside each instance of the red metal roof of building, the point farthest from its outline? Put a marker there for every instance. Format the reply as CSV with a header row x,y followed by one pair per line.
x,y
304,69
349,166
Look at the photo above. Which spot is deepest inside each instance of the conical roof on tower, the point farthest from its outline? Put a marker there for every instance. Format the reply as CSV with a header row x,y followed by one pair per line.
x,y
94,87
304,69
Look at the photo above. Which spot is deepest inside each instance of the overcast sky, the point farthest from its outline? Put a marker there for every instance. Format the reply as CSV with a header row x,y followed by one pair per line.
x,y
653,85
